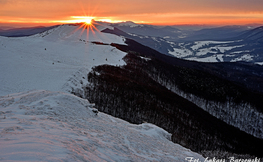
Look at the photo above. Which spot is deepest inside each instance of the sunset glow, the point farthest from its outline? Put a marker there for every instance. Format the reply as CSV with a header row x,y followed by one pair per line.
x,y
77,19
168,12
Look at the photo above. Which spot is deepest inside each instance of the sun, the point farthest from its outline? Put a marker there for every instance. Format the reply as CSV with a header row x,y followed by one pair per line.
x,y
84,19
88,21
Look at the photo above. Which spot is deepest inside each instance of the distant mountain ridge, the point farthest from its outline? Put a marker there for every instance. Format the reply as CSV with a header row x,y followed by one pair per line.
x,y
148,30
255,35
183,34
223,33
222,44
22,32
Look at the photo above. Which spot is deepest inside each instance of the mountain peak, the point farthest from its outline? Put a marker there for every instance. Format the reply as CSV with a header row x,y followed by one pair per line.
x,y
129,23
255,35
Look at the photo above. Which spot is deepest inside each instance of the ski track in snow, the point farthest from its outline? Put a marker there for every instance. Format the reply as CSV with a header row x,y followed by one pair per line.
x,y
55,126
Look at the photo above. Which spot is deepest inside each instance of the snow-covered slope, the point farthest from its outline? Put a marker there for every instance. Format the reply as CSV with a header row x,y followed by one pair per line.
x,y
49,60
54,126
47,125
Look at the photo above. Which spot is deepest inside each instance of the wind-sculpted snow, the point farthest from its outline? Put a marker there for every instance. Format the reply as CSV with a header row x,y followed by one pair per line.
x,y
54,126
49,60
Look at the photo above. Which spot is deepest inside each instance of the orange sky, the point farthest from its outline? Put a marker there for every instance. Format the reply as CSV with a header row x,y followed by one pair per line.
x,y
161,12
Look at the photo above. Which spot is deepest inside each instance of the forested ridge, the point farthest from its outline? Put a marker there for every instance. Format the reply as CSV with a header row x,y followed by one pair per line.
x,y
231,92
138,92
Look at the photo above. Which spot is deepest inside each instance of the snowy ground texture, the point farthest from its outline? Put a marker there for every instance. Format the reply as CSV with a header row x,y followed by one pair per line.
x,y
55,126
